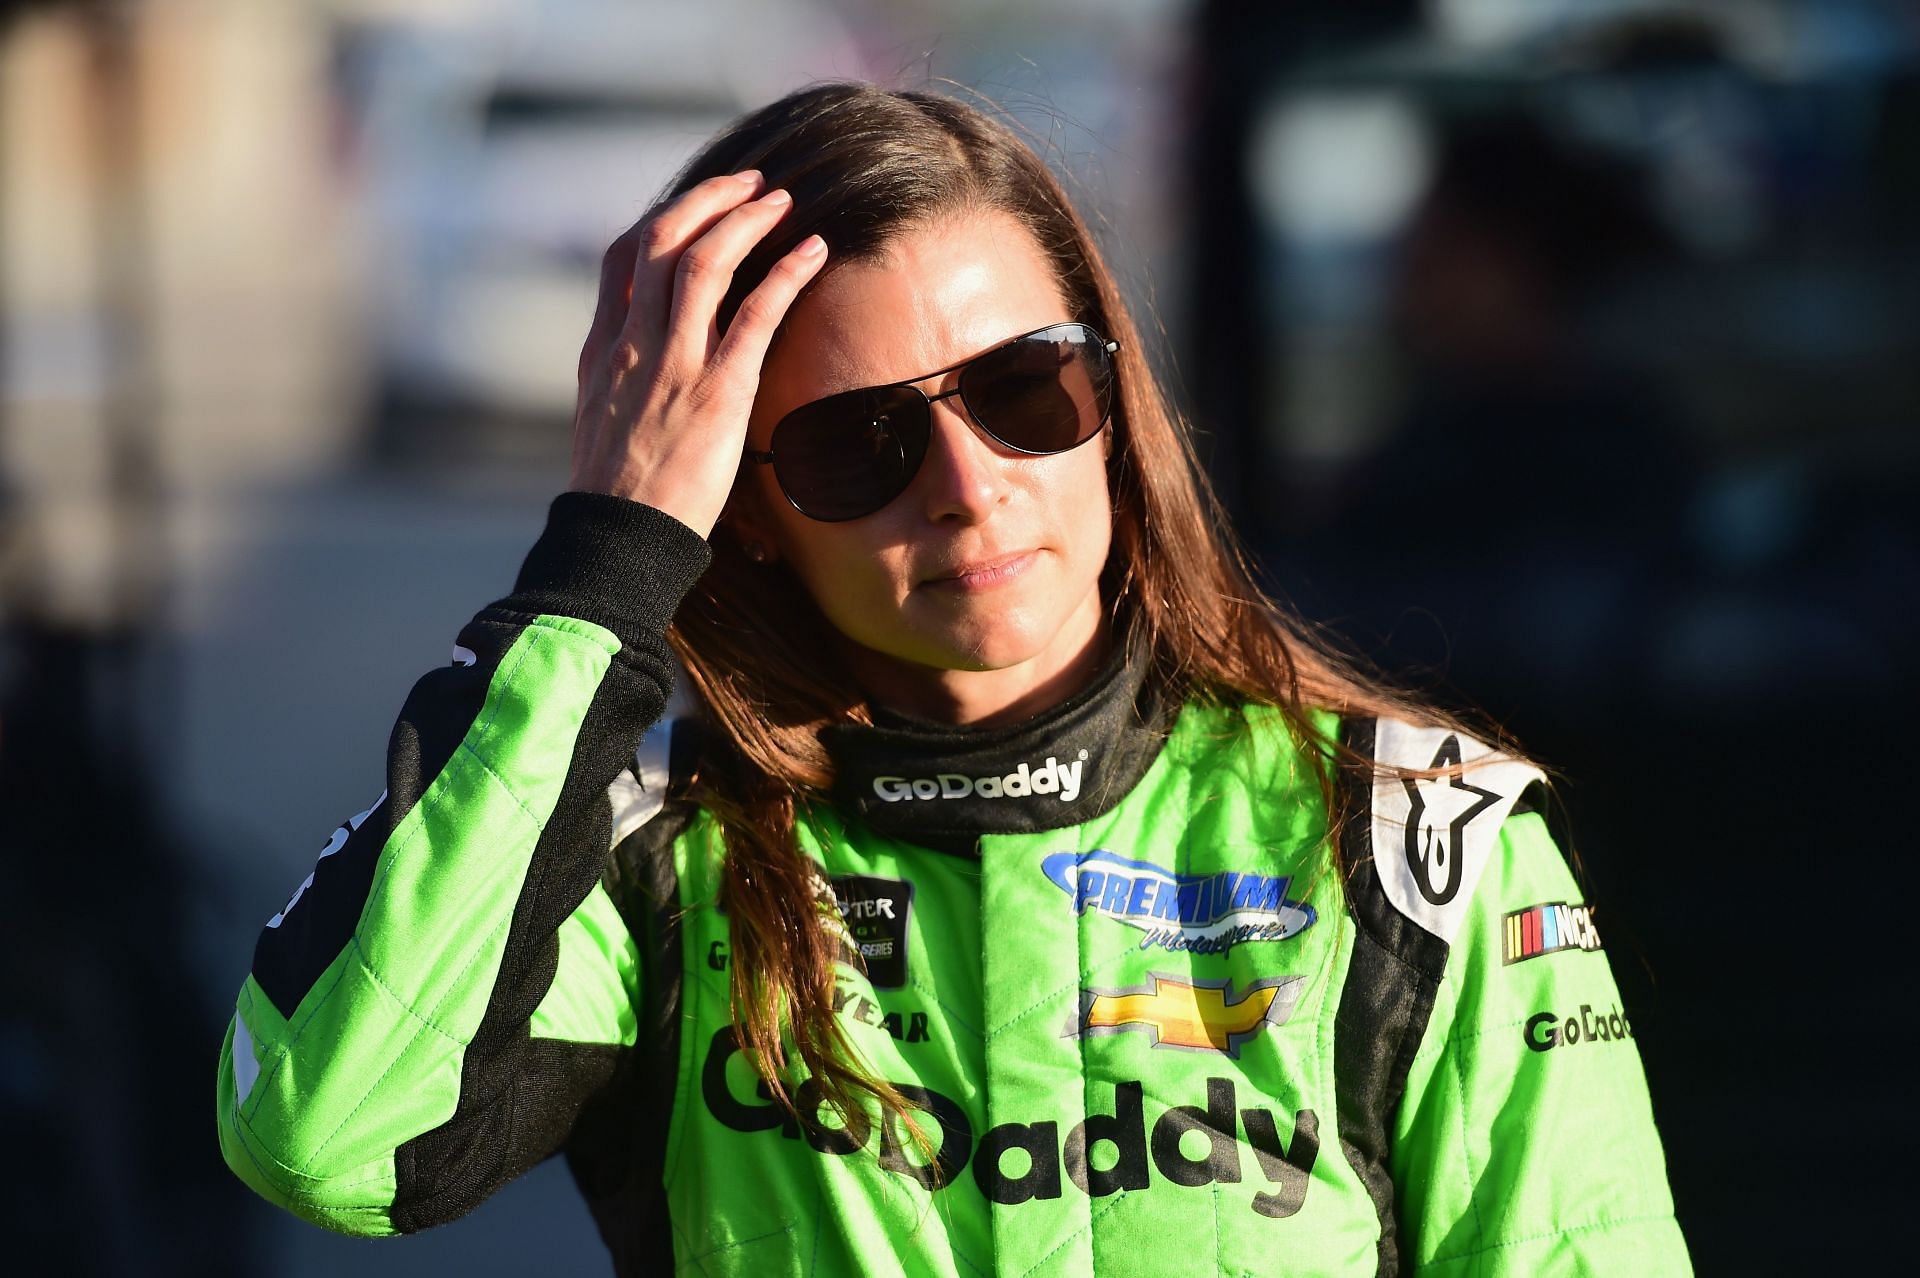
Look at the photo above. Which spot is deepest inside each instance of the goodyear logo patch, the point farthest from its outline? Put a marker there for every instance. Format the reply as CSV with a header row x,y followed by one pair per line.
x,y
1548,929
1205,1016
1201,913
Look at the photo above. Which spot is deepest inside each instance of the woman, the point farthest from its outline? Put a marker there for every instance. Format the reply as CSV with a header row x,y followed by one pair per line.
x,y
1028,895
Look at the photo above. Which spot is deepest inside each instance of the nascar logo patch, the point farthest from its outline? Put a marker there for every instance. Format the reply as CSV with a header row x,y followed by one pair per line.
x,y
1549,928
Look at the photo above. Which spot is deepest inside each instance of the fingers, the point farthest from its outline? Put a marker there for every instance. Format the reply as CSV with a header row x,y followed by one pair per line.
x,y
744,349
609,314
663,279
610,311
682,218
664,239
705,271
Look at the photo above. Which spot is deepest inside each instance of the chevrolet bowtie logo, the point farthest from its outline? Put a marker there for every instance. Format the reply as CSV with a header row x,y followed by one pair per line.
x,y
1203,1016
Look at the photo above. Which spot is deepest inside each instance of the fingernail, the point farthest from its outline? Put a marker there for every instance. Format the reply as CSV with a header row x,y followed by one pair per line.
x,y
812,246
752,177
775,198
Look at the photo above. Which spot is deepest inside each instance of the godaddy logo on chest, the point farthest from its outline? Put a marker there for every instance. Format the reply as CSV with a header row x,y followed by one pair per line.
x,y
1207,913
1134,1148
1061,780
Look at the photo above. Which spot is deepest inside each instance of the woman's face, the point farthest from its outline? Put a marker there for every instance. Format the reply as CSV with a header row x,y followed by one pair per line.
x,y
974,595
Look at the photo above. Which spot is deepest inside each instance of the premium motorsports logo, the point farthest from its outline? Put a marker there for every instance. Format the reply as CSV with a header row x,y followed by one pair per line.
x,y
1062,780
1202,913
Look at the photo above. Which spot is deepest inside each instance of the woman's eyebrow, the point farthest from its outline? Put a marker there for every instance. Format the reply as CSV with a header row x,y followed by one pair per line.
x,y
990,347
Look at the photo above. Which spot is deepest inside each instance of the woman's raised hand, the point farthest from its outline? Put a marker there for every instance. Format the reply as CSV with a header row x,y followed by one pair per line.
x,y
662,412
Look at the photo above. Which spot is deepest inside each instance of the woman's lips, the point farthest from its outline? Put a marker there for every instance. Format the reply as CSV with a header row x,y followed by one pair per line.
x,y
986,574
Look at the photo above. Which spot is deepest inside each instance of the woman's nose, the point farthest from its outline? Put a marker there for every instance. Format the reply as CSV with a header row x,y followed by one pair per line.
x,y
962,479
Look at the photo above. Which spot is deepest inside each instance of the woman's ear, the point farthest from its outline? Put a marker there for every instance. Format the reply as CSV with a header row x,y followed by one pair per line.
x,y
745,521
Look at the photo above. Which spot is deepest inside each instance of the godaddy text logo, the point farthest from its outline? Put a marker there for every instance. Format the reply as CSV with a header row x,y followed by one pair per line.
x,y
1052,777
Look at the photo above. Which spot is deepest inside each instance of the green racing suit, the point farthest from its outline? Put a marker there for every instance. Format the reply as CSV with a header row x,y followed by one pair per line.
x,y
1146,1021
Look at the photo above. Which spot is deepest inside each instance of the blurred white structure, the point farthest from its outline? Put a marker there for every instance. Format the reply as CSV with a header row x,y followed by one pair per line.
x,y
503,152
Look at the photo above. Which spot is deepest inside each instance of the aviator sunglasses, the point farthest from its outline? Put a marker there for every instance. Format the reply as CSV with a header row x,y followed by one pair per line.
x,y
851,453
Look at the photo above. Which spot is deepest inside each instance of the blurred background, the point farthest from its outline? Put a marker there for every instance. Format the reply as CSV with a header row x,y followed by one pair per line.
x,y
1561,355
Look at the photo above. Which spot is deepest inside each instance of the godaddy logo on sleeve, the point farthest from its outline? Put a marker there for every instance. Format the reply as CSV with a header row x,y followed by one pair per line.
x,y
1052,777
1205,913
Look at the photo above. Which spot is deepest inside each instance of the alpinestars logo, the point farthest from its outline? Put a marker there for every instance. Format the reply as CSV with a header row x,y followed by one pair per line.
x,y
1201,913
1439,811
1061,780
1205,1016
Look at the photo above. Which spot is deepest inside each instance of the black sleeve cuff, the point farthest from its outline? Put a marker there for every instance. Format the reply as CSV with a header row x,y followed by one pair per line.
x,y
611,561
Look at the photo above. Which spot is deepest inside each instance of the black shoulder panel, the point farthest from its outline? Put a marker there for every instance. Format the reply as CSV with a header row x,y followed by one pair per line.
x,y
1532,799
521,1097
618,1150
1384,1007
301,943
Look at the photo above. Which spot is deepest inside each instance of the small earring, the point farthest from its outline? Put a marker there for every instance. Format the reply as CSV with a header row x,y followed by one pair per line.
x,y
755,551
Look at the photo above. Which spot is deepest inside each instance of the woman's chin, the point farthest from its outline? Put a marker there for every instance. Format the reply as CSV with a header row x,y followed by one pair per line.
x,y
983,647
979,635
995,648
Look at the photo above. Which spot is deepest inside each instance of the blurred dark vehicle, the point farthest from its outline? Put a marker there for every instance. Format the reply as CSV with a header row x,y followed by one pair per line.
x,y
1578,363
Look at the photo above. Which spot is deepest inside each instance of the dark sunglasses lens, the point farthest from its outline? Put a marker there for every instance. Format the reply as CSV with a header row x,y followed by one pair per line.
x,y
848,455
1045,393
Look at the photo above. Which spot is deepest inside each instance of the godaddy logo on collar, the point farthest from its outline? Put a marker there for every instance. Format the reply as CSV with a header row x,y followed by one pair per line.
x,y
1052,777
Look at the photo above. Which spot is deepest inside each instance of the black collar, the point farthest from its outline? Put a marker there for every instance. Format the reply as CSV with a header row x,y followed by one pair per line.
x,y
943,786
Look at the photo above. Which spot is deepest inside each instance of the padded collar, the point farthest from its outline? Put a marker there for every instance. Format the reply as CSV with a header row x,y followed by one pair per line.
x,y
942,786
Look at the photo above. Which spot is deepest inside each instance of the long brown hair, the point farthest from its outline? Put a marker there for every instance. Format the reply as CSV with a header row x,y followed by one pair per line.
x,y
866,165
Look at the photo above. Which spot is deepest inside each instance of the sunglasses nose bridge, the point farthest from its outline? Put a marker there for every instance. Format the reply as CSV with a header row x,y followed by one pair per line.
x,y
968,418
962,471
963,412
